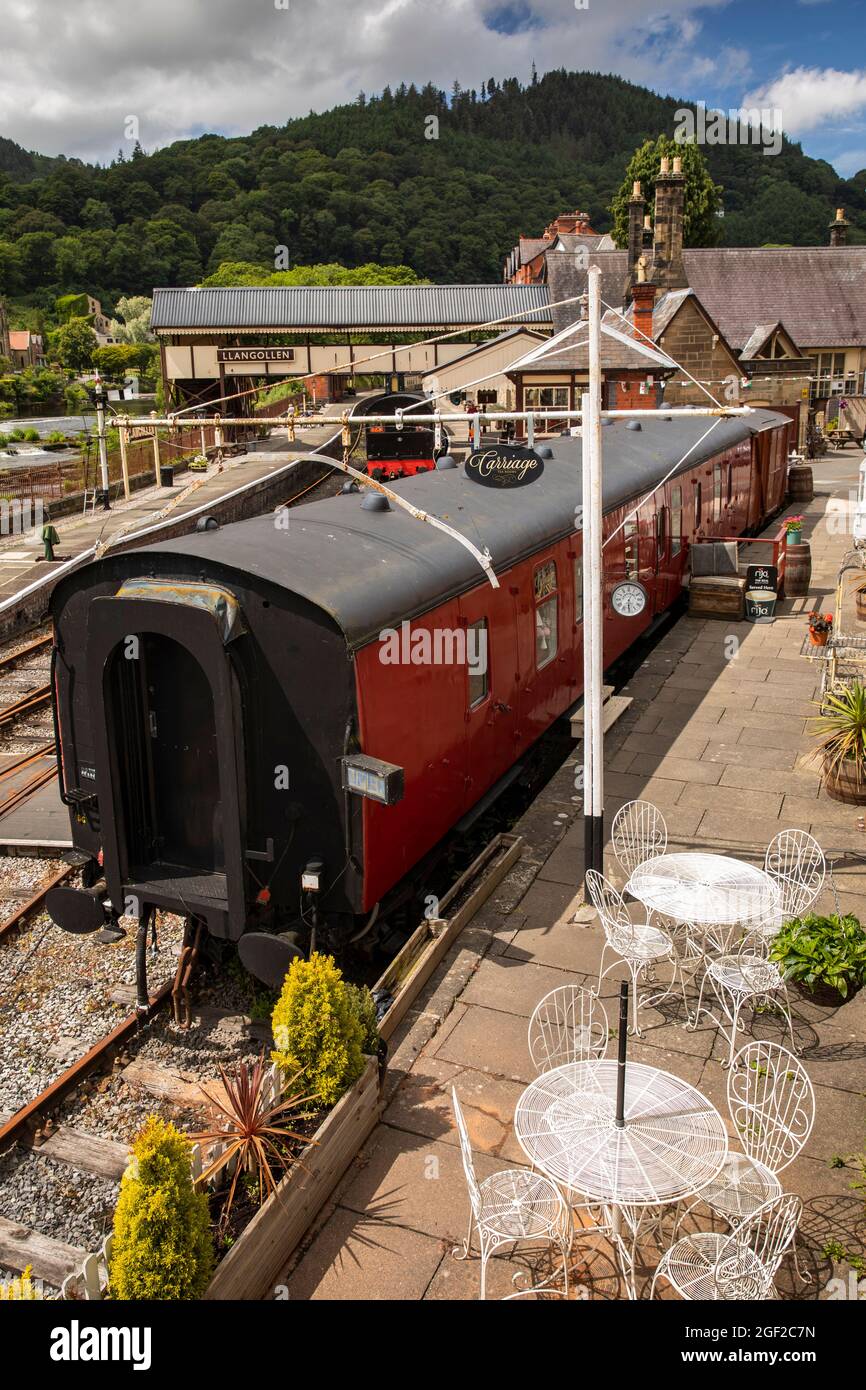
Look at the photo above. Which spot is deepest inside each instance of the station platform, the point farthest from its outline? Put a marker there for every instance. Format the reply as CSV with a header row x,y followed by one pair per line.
x,y
21,562
718,745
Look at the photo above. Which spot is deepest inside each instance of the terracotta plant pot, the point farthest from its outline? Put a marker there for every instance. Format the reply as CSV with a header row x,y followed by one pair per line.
x,y
842,784
818,639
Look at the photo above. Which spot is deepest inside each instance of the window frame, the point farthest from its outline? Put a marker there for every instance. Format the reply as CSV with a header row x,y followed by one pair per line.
x,y
538,603
485,677
676,514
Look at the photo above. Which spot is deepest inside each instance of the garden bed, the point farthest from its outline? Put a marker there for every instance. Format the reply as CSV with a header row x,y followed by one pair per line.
x,y
250,1268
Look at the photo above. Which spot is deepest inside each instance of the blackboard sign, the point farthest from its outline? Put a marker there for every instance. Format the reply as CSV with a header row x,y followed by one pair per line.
x,y
762,577
504,465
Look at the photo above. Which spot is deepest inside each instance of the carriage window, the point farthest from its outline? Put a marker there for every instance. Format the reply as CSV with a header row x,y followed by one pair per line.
x,y
477,662
661,530
545,614
629,531
717,492
698,506
578,590
730,496
676,520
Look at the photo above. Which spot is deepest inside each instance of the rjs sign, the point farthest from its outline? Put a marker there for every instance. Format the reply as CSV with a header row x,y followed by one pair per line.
x,y
504,465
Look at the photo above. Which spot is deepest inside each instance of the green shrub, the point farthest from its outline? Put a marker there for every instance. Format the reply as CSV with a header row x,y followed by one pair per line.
x,y
162,1243
365,1007
31,435
818,951
317,1029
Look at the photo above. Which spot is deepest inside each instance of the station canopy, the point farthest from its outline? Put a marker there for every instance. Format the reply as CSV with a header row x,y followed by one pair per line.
x,y
317,309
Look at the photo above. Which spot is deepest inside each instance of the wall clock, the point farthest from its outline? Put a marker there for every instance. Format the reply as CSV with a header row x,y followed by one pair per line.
x,y
629,599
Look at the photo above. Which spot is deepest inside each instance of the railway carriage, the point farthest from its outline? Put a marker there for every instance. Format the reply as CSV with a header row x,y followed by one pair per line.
x,y
270,730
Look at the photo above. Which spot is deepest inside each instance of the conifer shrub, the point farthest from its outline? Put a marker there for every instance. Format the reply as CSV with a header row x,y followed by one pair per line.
x,y
317,1028
163,1248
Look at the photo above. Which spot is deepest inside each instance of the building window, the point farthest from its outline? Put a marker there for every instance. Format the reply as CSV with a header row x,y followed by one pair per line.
x,y
545,398
630,542
477,661
676,520
546,625
486,397
699,508
831,378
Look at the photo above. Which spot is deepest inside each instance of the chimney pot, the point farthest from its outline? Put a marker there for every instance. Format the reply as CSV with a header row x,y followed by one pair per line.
x,y
636,192
840,214
678,164
666,165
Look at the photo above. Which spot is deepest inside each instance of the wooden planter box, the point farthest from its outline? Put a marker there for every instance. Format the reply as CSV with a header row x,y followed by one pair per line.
x,y
250,1269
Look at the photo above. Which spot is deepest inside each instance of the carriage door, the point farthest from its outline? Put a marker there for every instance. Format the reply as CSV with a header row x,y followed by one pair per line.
x,y
663,586
490,694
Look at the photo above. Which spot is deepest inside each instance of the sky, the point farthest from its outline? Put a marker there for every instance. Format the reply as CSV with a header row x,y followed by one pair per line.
x,y
75,71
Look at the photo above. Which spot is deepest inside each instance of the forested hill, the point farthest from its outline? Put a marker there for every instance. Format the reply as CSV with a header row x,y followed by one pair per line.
x,y
378,181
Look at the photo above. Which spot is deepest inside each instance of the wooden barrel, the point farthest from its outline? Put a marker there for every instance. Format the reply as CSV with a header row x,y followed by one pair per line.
x,y
800,482
798,570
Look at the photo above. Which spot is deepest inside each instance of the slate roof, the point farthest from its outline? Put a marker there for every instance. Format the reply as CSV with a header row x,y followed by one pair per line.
x,y
287,308
819,292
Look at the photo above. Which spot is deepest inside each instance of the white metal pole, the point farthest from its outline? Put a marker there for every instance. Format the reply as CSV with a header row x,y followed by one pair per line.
x,y
593,583
103,453
587,550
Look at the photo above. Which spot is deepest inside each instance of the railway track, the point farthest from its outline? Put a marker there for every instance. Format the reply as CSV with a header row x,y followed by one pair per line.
x,y
26,704
39,644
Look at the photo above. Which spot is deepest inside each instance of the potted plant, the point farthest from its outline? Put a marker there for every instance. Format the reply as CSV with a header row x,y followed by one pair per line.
x,y
820,627
841,727
825,956
794,530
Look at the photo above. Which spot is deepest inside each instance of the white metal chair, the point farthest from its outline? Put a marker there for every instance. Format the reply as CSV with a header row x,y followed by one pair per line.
x,y
746,976
742,1265
512,1206
568,1025
771,1103
795,861
640,945
638,833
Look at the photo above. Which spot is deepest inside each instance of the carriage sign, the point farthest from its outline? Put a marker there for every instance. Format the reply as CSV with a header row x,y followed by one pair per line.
x,y
504,465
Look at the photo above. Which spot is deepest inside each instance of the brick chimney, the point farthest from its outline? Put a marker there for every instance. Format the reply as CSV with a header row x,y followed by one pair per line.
x,y
643,294
669,272
839,229
635,238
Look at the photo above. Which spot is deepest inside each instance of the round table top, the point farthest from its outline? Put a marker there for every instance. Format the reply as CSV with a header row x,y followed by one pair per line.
x,y
704,888
674,1141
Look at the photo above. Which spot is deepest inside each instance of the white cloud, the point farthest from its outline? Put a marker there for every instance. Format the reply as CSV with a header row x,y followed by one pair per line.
x,y
812,97
75,71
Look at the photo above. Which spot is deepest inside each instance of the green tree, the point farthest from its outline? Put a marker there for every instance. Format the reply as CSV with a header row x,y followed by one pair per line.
x,y
74,345
701,226
133,322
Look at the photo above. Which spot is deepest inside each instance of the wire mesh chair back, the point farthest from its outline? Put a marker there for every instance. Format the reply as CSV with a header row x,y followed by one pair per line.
x,y
610,906
796,863
771,1103
638,833
749,1259
568,1025
466,1155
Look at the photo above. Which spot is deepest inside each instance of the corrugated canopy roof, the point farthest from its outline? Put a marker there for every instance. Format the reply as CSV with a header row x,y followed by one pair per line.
x,y
288,308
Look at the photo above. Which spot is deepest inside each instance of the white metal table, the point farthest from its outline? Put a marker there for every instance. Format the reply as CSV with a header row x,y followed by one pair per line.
x,y
706,891
674,1141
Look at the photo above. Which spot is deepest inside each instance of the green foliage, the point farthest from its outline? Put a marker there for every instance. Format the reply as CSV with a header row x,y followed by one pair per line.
x,y
360,184
317,1028
841,728
818,951
162,1243
74,344
116,360
133,323
701,226
365,1007
71,306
